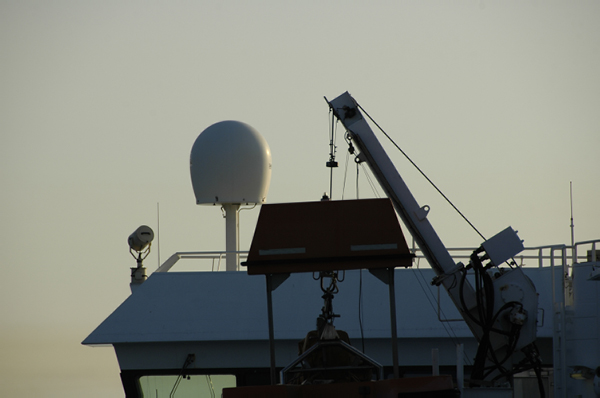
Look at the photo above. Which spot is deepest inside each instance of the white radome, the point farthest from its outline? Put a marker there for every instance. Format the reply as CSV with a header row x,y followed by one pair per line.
x,y
230,163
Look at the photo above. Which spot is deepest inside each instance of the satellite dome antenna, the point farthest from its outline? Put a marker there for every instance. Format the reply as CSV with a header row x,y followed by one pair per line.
x,y
230,165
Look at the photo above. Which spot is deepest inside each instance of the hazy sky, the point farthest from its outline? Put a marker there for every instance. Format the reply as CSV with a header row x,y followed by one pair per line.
x,y
101,101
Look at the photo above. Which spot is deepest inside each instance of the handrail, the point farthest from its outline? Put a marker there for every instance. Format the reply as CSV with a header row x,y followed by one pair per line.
x,y
214,255
543,253
594,253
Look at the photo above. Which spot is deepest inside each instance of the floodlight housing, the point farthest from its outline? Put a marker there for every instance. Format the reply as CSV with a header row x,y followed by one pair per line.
x,y
140,238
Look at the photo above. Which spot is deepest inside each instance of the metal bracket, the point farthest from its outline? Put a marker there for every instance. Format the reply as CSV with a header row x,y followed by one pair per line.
x,y
382,274
277,280
437,280
421,214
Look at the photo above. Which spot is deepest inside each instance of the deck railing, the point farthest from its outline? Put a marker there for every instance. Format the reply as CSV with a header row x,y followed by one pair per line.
x,y
540,256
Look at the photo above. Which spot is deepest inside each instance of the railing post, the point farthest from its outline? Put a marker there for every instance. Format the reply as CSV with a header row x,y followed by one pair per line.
x,y
392,292
460,369
435,362
271,330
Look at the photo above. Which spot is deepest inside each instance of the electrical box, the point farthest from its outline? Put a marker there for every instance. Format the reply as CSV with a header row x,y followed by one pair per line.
x,y
503,246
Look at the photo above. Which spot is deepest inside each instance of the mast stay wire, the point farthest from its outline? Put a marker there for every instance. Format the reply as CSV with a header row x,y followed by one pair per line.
x,y
420,171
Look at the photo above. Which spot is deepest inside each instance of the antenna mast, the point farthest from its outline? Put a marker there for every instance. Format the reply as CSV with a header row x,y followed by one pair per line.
x,y
158,230
572,225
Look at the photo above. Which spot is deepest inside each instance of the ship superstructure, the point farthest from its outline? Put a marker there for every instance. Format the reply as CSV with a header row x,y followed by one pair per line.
x,y
500,319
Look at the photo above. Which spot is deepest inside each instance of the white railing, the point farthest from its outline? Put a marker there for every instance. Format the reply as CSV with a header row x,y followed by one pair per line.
x,y
541,256
215,258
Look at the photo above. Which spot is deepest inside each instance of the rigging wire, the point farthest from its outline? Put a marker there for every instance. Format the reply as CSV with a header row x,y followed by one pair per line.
x,y
420,171
188,361
345,174
430,298
211,387
332,149
360,303
370,181
357,174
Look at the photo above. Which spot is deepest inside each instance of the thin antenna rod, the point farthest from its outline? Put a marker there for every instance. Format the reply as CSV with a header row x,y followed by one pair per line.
x,y
572,225
158,230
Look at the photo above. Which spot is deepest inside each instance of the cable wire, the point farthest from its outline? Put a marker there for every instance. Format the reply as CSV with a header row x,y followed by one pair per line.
x,y
357,173
370,181
345,174
360,302
420,171
430,299
211,387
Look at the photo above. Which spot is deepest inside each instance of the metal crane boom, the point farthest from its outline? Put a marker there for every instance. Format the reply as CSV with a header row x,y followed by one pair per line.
x,y
501,311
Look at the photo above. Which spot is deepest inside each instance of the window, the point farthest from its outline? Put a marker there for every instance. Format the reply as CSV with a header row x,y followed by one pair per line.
x,y
197,386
